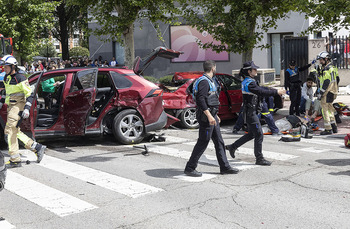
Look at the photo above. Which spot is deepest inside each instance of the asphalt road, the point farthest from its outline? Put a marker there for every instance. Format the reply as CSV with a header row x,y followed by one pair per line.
x,y
97,183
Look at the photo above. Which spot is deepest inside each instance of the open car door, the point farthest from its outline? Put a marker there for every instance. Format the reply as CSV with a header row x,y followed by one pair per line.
x,y
79,102
140,65
27,125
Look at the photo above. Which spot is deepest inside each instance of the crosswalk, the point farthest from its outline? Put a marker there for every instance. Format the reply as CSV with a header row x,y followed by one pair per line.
x,y
63,204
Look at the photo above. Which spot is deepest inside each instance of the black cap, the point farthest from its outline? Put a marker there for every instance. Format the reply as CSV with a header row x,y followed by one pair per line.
x,y
292,62
249,65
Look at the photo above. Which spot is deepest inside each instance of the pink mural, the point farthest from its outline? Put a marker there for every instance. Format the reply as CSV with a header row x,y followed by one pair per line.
x,y
184,38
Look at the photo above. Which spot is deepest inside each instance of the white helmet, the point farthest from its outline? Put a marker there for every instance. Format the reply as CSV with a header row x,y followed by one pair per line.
x,y
323,55
8,60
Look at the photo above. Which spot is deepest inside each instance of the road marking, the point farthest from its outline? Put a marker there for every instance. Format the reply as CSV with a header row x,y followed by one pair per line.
x,y
241,150
112,182
206,159
49,198
321,141
205,176
249,151
314,150
6,225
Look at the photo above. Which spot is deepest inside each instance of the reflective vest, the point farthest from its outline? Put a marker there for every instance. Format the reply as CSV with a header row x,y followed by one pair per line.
x,y
213,97
329,73
293,75
250,100
20,89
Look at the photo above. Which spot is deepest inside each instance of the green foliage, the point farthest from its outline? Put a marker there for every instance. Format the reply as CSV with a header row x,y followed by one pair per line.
x,y
117,17
166,80
151,78
24,21
238,24
328,14
79,52
47,50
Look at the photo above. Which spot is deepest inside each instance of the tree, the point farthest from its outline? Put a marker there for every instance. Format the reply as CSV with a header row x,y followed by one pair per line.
x,y
238,24
24,21
47,49
79,52
116,18
328,14
68,18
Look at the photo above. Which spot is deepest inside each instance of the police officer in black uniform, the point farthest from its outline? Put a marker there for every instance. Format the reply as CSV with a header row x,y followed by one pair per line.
x,y
293,82
207,100
252,96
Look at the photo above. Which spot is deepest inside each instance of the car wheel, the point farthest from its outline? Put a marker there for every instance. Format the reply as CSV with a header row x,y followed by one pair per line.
x,y
128,127
188,118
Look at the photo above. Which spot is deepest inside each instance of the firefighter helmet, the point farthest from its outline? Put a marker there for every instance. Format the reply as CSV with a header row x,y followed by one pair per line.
x,y
8,60
323,55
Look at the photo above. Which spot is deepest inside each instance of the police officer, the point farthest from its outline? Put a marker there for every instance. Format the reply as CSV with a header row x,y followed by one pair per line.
x,y
252,94
207,100
293,82
19,99
329,80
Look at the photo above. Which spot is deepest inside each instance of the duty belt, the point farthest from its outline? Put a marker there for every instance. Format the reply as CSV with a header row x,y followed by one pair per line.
x,y
17,94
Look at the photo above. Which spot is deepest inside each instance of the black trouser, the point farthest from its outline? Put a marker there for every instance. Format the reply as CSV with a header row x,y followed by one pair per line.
x,y
207,132
295,97
48,99
254,131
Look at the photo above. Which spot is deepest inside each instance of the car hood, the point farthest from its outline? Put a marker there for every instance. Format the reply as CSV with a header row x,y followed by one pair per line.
x,y
140,64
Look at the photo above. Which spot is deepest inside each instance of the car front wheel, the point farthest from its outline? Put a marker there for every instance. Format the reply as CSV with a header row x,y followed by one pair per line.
x,y
128,127
188,118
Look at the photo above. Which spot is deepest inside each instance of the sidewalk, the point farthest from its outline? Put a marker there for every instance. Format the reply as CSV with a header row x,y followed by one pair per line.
x,y
343,128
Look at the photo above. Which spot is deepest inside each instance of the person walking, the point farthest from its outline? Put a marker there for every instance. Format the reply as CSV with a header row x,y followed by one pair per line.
x,y
19,99
292,82
252,95
207,100
329,80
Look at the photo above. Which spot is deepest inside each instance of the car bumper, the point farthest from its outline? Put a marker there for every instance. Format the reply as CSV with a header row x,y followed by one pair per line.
x,y
2,172
162,121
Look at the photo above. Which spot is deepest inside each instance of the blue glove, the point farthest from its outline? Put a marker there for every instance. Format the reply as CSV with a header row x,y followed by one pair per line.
x,y
287,93
314,61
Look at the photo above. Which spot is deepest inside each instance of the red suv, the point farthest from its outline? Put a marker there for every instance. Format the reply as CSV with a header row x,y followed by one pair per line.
x,y
94,101
181,105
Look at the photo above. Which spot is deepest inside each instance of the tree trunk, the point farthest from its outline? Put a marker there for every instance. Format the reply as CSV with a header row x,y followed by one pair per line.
x,y
248,54
129,47
63,31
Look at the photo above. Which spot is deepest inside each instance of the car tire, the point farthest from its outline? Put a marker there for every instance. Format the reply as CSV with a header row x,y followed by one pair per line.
x,y
188,118
128,127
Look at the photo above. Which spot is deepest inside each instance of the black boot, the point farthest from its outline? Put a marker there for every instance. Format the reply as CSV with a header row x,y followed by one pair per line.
x,y
263,161
232,149
334,128
10,164
326,132
40,150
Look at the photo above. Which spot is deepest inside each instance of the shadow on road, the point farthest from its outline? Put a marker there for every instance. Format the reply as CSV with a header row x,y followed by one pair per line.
x,y
336,162
164,173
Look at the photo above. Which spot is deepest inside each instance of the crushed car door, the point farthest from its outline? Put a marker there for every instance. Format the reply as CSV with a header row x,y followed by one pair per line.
x,y
79,102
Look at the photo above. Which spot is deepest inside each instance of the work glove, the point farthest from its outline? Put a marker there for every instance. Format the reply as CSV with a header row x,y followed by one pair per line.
x,y
25,113
1,104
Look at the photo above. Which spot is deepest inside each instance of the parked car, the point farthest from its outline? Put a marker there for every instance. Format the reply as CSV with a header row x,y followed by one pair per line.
x,y
180,104
96,101
2,172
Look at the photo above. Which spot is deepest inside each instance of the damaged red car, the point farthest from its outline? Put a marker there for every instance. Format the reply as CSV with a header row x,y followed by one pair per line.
x,y
96,101
180,104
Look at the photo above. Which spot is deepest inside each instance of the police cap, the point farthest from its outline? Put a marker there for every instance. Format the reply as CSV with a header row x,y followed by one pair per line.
x,y
250,65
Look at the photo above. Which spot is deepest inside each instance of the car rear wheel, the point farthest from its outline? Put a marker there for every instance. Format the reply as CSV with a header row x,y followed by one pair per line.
x,y
128,127
188,118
